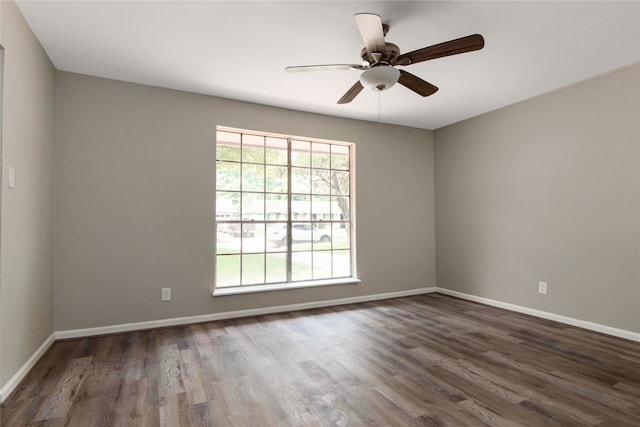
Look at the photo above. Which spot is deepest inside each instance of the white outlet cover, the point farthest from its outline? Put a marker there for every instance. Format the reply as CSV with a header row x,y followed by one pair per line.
x,y
12,177
542,287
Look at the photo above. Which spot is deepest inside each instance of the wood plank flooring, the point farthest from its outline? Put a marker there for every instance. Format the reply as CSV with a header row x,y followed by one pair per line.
x,y
428,360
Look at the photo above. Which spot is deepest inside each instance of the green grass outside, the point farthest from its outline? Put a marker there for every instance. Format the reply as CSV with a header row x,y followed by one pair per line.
x,y
253,268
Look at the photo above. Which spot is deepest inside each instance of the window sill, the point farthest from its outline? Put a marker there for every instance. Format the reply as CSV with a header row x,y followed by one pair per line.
x,y
282,286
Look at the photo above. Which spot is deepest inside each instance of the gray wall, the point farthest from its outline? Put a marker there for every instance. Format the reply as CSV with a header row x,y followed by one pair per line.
x,y
134,208
26,278
547,190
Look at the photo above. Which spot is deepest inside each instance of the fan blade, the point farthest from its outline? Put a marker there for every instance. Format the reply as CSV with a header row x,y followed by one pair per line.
x,y
370,27
416,84
351,93
452,47
328,67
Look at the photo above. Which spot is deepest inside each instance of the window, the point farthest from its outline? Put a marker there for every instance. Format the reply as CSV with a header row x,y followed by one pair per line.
x,y
284,211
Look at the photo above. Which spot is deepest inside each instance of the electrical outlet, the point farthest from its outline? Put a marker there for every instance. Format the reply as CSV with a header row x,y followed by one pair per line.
x,y
166,294
12,177
542,288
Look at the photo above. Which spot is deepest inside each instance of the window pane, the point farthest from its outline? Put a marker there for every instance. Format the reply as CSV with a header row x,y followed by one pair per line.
x,y
339,157
277,237
341,236
252,177
321,208
322,265
252,269
227,205
253,148
302,236
340,208
320,179
341,264
252,206
320,155
228,146
276,268
276,152
277,179
225,243
252,237
227,270
340,183
301,208
301,266
300,153
276,207
300,180
227,176
224,137
322,237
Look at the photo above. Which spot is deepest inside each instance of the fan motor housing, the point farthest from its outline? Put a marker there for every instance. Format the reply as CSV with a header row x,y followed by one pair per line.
x,y
390,55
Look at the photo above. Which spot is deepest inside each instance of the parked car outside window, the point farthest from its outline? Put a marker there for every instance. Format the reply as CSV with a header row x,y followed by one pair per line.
x,y
236,229
300,233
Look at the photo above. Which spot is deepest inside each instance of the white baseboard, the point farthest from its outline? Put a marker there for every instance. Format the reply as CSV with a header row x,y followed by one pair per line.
x,y
24,369
128,327
620,333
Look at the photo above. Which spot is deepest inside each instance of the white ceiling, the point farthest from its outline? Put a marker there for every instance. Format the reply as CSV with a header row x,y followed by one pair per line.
x,y
239,49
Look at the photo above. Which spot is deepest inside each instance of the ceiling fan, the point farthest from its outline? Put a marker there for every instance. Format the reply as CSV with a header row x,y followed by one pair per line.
x,y
380,59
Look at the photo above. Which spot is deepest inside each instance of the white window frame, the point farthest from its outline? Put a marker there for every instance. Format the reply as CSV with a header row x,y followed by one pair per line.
x,y
289,284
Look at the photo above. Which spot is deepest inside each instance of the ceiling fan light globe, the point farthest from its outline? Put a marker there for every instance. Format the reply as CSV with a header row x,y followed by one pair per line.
x,y
380,78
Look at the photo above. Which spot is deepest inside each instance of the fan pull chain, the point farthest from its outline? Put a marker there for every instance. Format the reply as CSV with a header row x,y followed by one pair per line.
x,y
379,108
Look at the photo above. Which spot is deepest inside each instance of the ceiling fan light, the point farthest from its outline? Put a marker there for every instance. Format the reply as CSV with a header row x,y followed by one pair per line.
x,y
380,78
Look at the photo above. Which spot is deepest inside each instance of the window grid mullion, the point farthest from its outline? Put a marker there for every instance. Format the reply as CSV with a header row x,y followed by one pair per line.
x,y
264,209
241,207
289,256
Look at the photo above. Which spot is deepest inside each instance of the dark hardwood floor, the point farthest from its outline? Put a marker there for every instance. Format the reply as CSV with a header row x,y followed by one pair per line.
x,y
428,360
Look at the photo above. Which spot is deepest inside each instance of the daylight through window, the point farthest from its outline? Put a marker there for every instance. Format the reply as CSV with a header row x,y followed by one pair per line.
x,y
284,210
